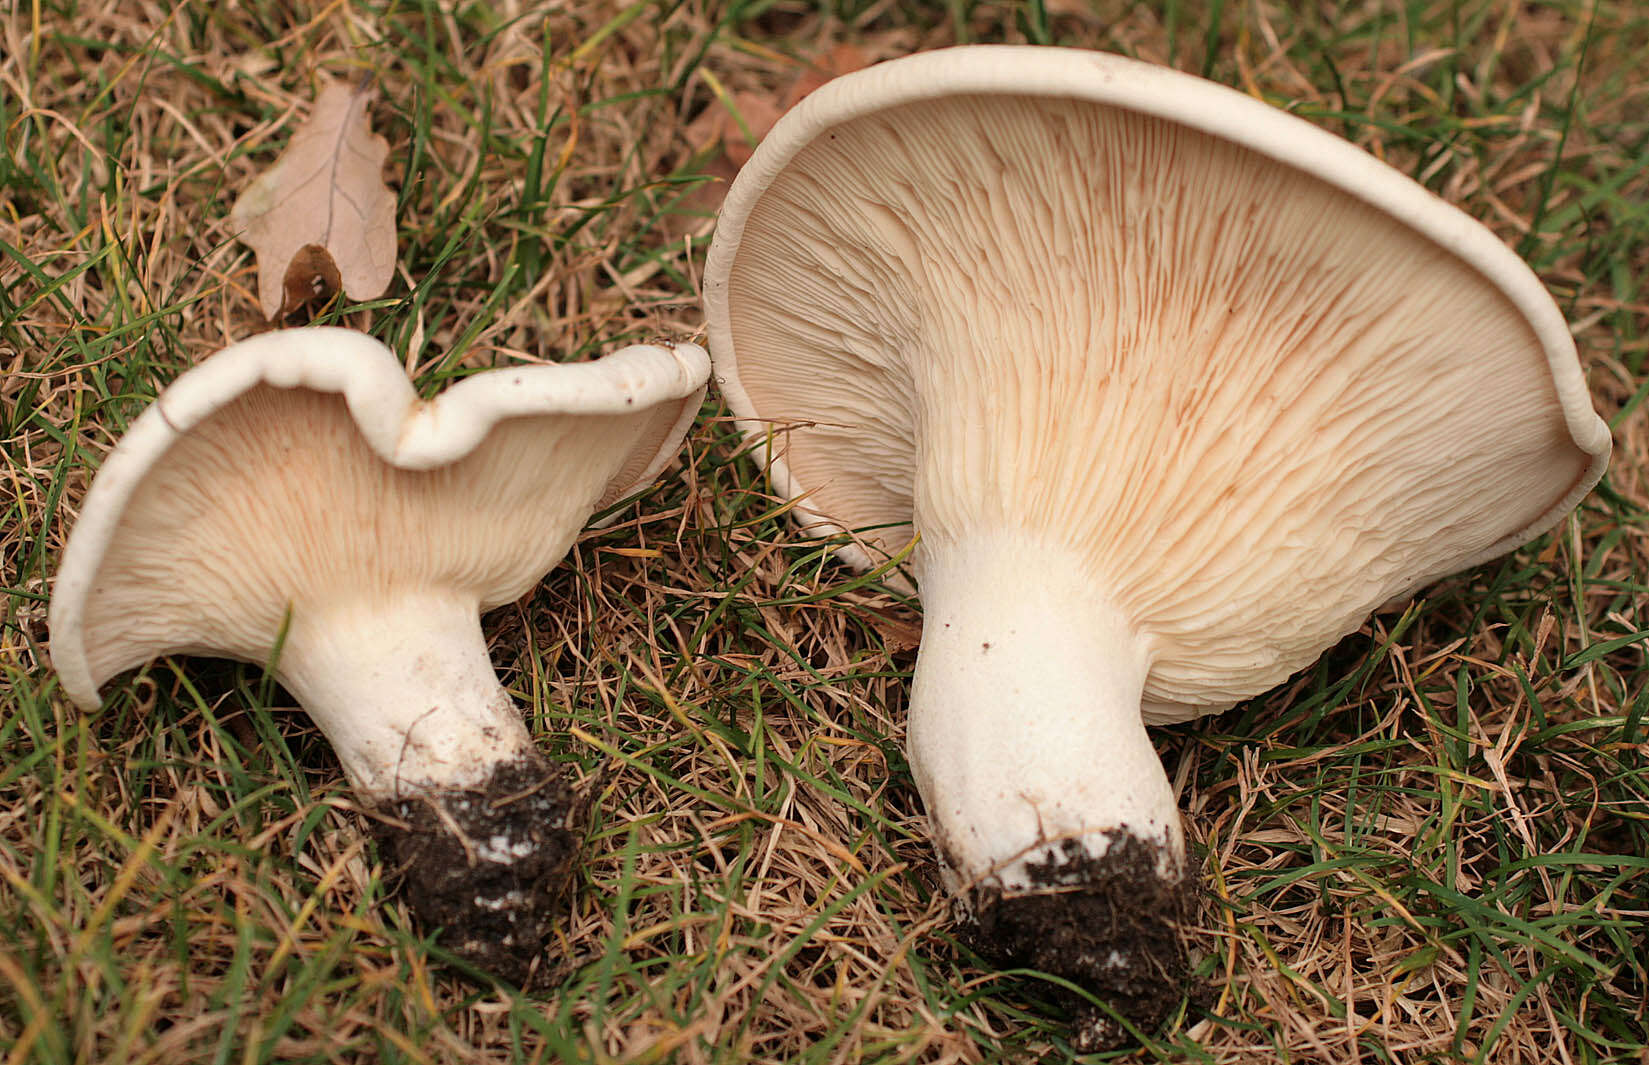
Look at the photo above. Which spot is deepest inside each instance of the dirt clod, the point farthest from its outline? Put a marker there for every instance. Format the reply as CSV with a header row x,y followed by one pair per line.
x,y
492,867
1110,923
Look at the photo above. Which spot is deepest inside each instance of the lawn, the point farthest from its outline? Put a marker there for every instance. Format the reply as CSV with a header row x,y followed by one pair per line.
x,y
1433,845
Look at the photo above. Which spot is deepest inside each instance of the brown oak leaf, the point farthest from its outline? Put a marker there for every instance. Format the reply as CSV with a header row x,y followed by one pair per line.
x,y
759,114
321,216
734,137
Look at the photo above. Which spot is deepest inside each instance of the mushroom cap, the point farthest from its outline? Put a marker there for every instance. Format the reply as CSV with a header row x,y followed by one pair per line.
x,y
299,469
1260,382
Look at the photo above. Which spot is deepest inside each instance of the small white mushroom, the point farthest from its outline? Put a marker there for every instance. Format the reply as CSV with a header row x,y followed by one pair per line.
x,y
292,502
1171,387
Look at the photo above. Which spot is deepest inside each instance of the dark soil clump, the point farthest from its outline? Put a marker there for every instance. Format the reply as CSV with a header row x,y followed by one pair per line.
x,y
1112,924
492,866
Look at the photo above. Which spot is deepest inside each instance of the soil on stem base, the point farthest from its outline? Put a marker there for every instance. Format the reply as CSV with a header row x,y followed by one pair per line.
x,y
1111,923
491,866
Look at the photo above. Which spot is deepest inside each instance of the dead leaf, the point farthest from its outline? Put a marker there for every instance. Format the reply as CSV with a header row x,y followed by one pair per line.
x,y
758,114
737,135
311,279
323,202
842,59
899,628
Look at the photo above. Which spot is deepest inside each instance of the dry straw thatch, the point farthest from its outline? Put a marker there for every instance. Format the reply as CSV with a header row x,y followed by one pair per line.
x,y
1429,847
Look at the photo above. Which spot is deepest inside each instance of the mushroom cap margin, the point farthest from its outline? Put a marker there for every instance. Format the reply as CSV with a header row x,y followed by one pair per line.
x,y
1131,85
403,430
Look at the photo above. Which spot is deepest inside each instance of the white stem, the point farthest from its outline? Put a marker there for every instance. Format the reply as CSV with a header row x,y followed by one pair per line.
x,y
1025,727
406,692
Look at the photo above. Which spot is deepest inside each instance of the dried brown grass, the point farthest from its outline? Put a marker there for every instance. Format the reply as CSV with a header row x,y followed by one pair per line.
x,y
736,910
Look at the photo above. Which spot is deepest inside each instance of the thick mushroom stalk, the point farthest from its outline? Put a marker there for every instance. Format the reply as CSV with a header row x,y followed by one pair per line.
x,y
1057,825
1170,389
405,692
293,503
483,829
1025,731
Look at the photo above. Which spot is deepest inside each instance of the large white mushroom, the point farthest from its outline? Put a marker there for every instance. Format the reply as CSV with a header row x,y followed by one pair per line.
x,y
292,502
1170,388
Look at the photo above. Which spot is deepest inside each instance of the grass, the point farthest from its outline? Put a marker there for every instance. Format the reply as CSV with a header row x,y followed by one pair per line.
x,y
1433,845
